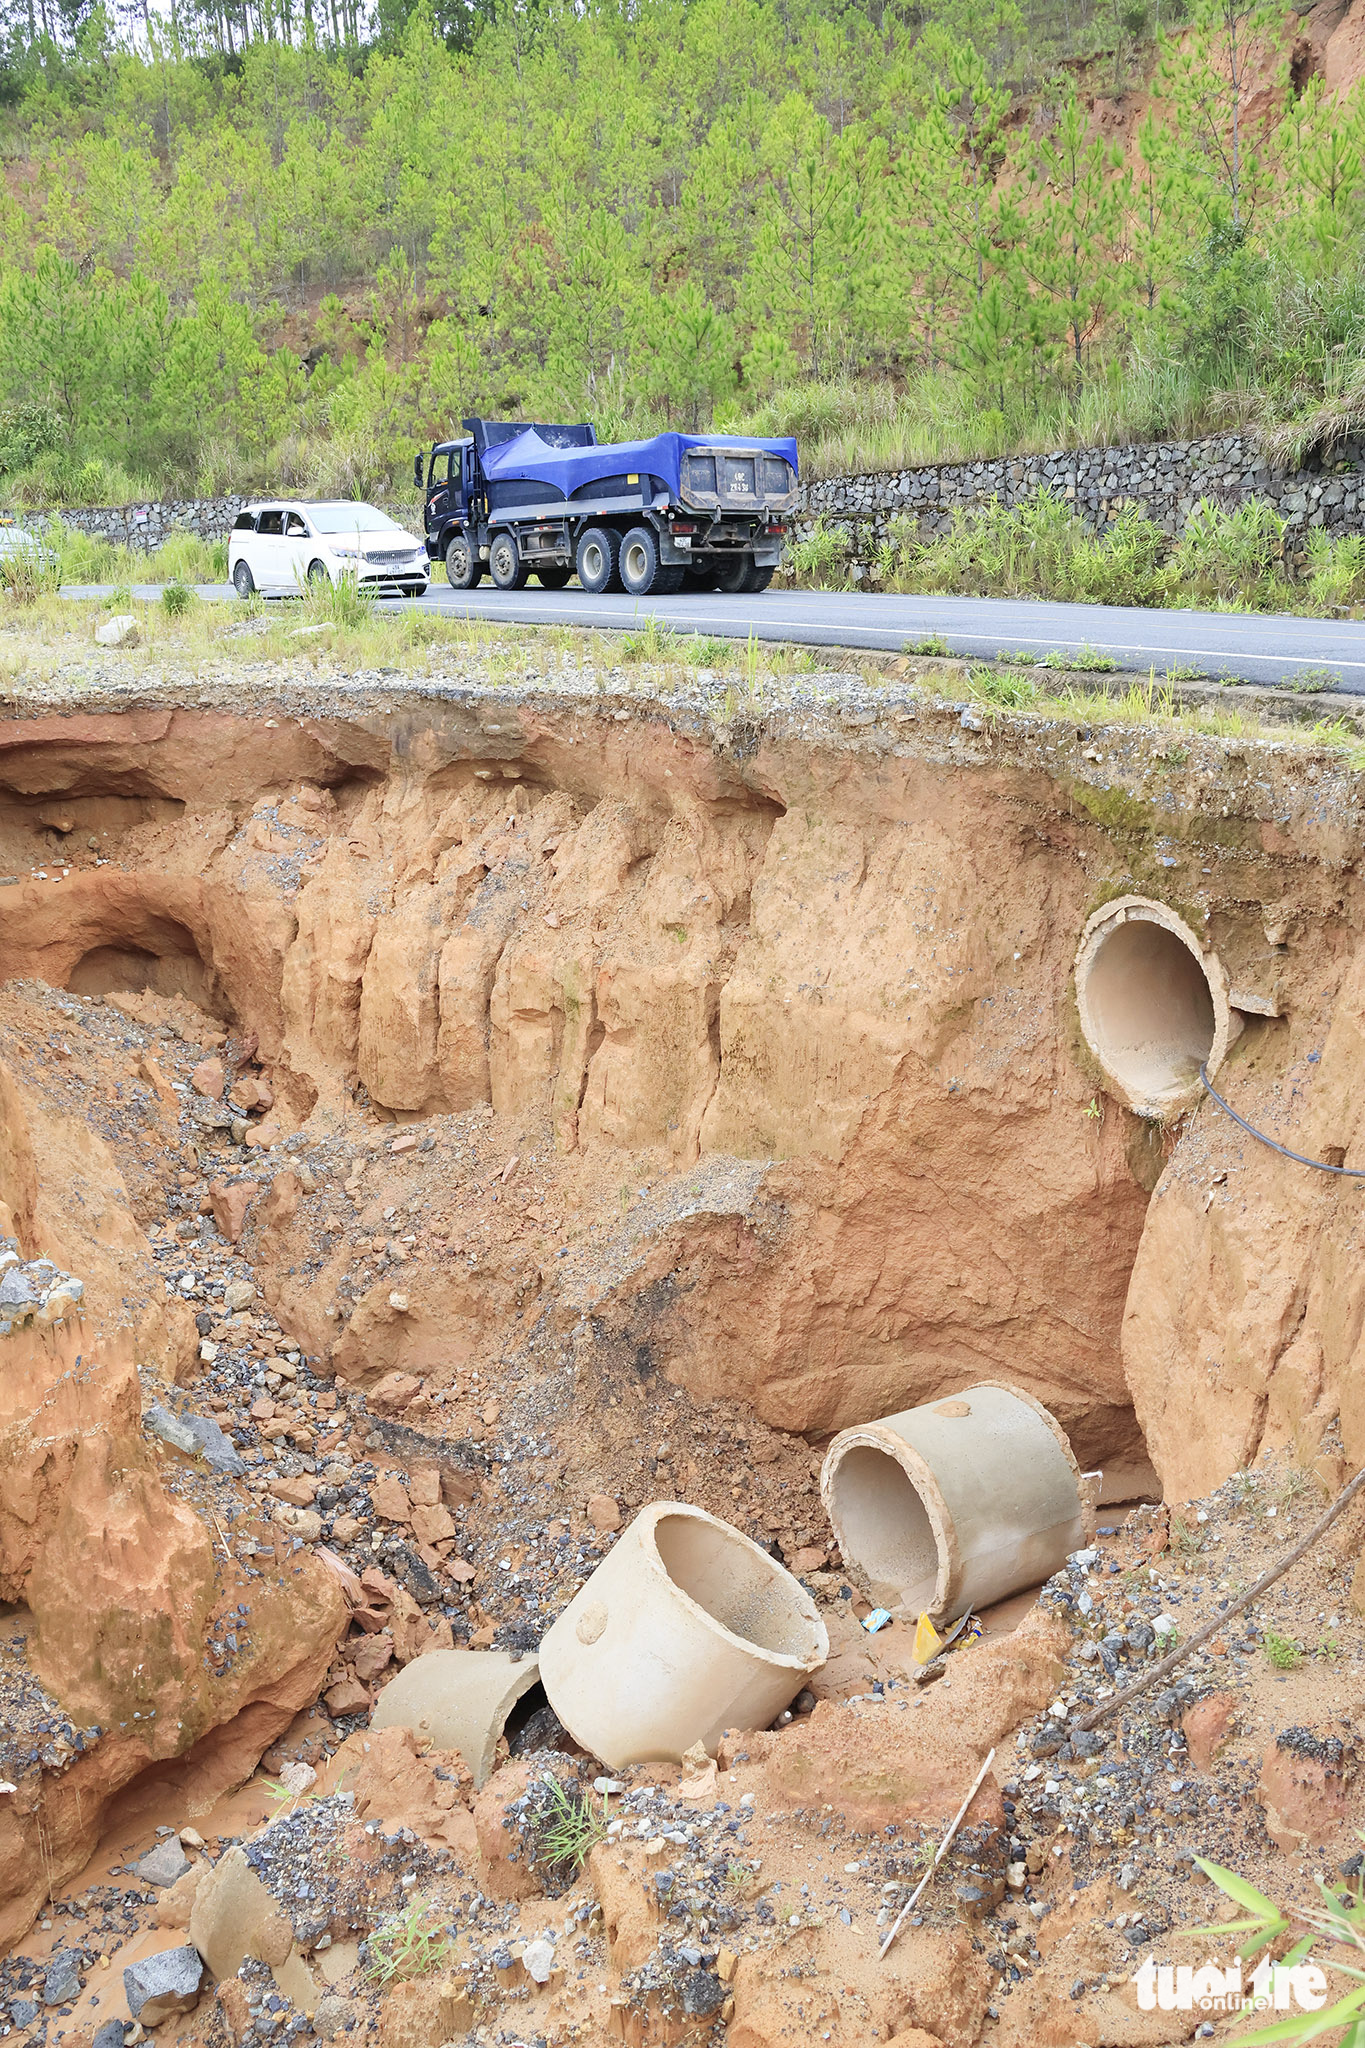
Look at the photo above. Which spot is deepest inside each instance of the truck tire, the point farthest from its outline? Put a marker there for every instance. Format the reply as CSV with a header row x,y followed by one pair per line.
x,y
732,575
639,562
759,579
505,565
553,578
598,559
642,573
463,568
701,576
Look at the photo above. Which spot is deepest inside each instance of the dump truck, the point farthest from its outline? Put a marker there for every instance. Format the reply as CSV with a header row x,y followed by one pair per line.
x,y
511,500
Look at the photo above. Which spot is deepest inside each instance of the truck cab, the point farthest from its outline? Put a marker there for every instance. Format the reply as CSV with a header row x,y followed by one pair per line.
x,y
450,485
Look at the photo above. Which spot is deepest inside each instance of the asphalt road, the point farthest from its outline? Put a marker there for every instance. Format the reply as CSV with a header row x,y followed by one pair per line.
x,y
1243,646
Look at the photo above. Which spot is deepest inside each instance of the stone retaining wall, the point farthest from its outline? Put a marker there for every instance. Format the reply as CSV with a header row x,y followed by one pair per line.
x,y
1165,480
143,526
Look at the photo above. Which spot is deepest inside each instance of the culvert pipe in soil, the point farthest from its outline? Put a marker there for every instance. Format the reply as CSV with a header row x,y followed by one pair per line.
x,y
458,1699
685,1629
955,1504
1153,1004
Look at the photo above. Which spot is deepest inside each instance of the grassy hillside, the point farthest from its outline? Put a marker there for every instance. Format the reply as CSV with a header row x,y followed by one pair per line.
x,y
279,240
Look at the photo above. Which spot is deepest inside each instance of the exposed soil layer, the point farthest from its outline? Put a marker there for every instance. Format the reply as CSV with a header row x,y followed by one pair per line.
x,y
470,1113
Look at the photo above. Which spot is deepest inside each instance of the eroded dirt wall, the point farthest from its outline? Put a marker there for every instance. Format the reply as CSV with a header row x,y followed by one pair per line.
x,y
1245,1312
841,955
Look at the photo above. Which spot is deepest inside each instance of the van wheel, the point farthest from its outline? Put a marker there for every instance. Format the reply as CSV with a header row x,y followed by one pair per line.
x,y
317,572
597,559
463,568
505,565
243,582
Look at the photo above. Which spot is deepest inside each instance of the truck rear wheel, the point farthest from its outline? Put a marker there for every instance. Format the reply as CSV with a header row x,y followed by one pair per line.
x,y
553,578
642,573
742,577
732,575
640,566
505,565
463,568
598,553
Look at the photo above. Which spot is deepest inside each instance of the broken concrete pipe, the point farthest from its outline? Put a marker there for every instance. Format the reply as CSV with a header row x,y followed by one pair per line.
x,y
685,1629
458,1699
1154,1004
958,1503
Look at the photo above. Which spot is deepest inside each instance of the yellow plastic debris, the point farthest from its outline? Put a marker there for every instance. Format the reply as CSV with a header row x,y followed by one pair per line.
x,y
928,1641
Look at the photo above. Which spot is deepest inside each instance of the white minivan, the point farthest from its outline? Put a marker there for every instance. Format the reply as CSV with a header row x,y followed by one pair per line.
x,y
280,547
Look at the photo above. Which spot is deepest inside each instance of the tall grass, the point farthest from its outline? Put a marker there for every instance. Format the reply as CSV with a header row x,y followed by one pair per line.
x,y
1039,547
60,476
91,558
937,416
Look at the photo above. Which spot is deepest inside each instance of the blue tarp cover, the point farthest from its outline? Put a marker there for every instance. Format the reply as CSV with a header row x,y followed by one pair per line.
x,y
566,470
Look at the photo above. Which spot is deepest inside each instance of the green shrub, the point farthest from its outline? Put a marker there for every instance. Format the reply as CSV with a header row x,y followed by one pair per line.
x,y
818,555
1036,548
1336,570
1082,661
26,574
176,600
343,603
56,476
1231,554
703,650
26,432
652,640
184,558
1306,682
1005,690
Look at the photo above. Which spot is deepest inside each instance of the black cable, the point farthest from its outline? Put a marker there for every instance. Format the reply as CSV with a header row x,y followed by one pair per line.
x,y
1350,1172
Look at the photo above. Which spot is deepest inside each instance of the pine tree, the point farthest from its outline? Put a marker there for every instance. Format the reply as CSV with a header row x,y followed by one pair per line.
x,y
1206,78
1067,237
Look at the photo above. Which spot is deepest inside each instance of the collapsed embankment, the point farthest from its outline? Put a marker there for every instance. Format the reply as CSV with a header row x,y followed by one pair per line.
x,y
775,998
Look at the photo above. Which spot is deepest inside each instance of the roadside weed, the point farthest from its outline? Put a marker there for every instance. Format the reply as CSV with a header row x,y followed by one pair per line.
x,y
569,1824
408,1944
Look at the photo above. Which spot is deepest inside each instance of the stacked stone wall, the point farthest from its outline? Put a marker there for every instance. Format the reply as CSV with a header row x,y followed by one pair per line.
x,y
142,526
1165,480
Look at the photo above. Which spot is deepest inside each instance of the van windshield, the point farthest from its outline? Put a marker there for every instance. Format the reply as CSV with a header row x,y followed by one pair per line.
x,y
357,518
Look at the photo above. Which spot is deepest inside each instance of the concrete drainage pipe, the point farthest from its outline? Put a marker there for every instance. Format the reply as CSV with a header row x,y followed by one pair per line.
x,y
685,1629
1153,1004
458,1699
955,1504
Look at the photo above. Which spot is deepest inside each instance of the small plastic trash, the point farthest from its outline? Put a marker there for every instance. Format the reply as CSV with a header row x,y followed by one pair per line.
x,y
878,1618
928,1641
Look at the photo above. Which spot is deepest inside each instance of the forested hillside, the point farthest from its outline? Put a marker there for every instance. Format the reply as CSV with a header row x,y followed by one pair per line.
x,y
287,240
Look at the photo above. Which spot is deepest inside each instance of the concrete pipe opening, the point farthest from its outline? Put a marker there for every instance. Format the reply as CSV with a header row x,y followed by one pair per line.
x,y
883,1522
738,1585
955,1504
1153,1004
